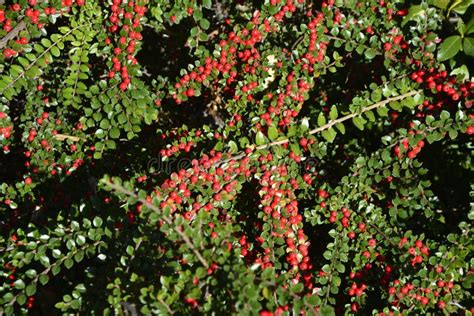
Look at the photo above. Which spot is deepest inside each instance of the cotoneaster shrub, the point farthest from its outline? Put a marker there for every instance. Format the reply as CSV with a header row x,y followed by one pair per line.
x,y
236,157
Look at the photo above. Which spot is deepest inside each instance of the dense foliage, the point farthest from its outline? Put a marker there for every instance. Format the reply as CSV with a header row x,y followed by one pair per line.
x,y
272,157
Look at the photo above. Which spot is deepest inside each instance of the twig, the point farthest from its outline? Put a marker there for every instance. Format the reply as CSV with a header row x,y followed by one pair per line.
x,y
62,137
331,123
12,34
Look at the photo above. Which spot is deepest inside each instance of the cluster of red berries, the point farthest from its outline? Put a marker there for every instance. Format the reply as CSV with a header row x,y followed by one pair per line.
x,y
185,141
415,150
174,149
201,73
8,53
192,302
439,82
45,144
357,289
400,291
5,131
396,42
288,7
229,53
175,191
296,89
313,55
125,18
345,218
280,210
417,252
280,310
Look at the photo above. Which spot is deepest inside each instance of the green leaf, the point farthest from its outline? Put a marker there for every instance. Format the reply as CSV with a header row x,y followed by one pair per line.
x,y
114,133
194,31
468,281
19,284
304,126
453,133
329,134
333,113
460,6
370,115
469,27
81,240
460,27
79,256
56,253
31,273
55,51
295,148
202,37
197,15
44,260
76,304
359,122
20,300
297,288
272,133
382,111
204,23
44,278
468,46
314,300
97,221
444,115
413,11
56,269
449,48
31,289
341,128
418,98
395,105
461,72
104,124
207,4
260,139
321,119
371,53
33,72
68,263
233,147
442,4
46,42
327,311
